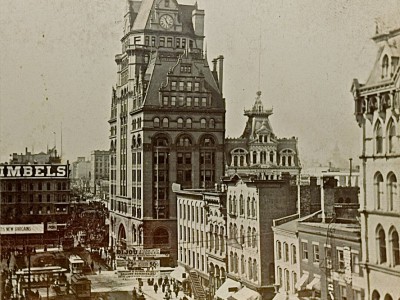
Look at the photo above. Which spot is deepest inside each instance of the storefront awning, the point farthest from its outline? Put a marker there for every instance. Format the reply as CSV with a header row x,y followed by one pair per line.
x,y
228,288
179,273
299,285
315,284
245,294
281,296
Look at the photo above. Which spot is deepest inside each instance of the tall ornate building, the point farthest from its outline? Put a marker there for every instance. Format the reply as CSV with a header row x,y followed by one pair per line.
x,y
259,151
377,111
167,122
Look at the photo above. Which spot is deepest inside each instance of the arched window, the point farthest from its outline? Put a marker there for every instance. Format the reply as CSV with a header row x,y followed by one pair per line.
x,y
391,190
212,123
232,264
184,141
378,139
165,123
236,263
388,297
250,269
248,236
391,134
287,280
179,122
381,241
255,270
242,265
156,122
394,247
188,123
248,206
134,141
375,295
139,141
254,238
385,66
271,156
234,211
285,252
241,205
235,161
242,235
203,123
278,250
283,160
254,157
378,184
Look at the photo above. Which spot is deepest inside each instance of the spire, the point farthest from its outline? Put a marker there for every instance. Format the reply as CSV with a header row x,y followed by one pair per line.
x,y
258,105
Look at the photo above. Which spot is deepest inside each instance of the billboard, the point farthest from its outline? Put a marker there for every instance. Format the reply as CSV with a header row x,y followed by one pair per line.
x,y
35,171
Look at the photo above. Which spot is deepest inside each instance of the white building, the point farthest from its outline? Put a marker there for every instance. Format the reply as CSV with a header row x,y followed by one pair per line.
x,y
377,111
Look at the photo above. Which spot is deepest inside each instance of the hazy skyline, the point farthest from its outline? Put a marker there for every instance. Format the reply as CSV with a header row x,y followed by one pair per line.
x,y
57,66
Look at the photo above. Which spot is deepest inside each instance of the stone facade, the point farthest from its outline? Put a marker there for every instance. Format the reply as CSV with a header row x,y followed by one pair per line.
x,y
167,122
377,111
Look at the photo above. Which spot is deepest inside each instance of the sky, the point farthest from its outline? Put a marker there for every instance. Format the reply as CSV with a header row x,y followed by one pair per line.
x,y
57,69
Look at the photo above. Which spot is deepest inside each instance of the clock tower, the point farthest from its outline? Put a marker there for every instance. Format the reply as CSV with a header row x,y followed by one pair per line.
x,y
167,123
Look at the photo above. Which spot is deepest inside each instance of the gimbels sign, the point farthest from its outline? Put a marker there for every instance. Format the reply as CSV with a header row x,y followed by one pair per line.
x,y
59,171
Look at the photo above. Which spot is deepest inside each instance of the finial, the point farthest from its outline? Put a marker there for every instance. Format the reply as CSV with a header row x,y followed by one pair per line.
x,y
258,93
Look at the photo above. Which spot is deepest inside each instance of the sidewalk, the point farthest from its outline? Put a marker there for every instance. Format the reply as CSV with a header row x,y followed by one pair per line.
x,y
149,293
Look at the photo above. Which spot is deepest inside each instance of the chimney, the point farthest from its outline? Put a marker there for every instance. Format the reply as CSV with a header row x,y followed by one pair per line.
x,y
221,72
214,70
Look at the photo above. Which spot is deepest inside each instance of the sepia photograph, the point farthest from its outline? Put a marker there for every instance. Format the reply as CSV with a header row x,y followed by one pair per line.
x,y
199,150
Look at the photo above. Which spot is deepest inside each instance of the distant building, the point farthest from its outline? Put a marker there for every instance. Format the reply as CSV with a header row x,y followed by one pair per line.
x,y
377,110
37,158
36,196
258,151
100,173
81,174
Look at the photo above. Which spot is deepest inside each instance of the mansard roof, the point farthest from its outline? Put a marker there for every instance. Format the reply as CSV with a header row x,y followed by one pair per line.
x,y
161,67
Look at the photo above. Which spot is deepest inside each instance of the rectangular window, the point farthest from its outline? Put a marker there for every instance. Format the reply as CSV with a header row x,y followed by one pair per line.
x,y
162,42
181,85
183,43
355,263
173,101
315,253
204,102
165,100
189,86
343,292
153,41
196,101
181,101
169,42
146,40
294,254
304,250
136,40
173,85
189,101
178,42
357,295
340,257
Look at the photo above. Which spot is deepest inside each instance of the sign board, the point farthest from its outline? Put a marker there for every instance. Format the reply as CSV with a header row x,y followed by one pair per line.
x,y
144,264
51,226
37,171
347,264
127,274
140,253
22,228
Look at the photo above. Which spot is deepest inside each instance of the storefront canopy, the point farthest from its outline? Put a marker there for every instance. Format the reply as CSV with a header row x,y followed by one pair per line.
x,y
228,288
315,284
299,285
245,294
179,273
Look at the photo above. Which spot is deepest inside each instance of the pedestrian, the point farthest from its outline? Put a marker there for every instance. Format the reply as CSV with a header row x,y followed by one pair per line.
x,y
92,266
159,281
99,270
155,288
163,287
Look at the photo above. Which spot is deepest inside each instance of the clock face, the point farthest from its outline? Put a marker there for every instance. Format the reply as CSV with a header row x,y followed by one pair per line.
x,y
166,21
